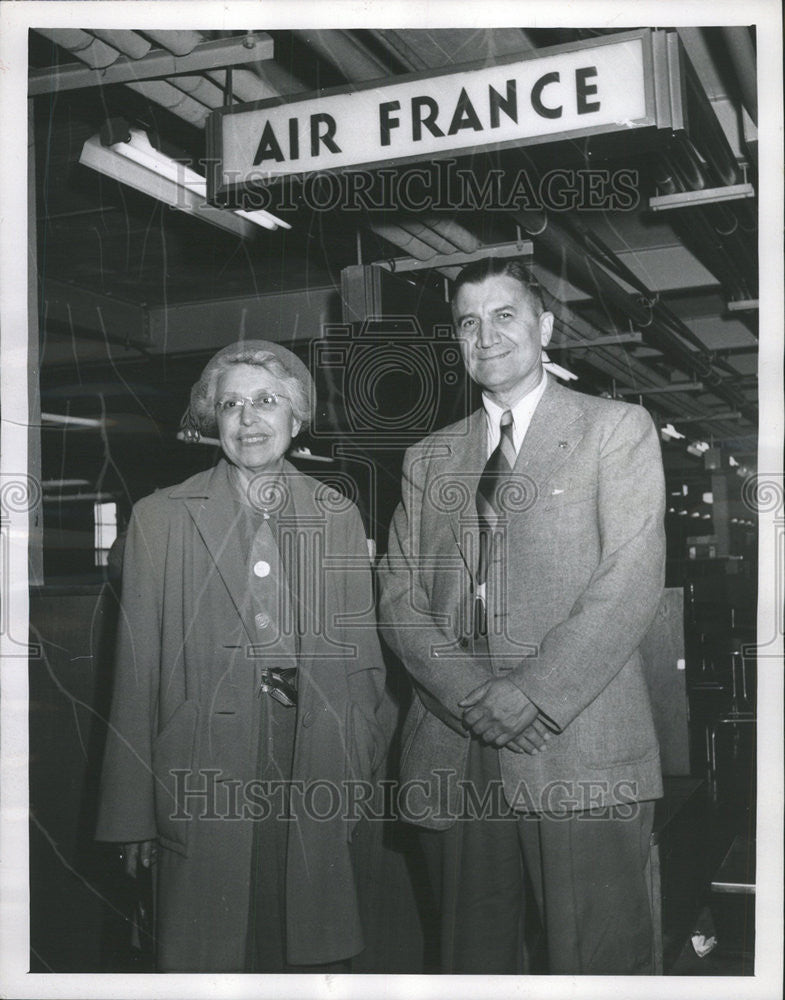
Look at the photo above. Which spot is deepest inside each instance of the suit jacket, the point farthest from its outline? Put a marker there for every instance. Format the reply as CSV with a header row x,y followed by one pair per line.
x,y
574,583
186,702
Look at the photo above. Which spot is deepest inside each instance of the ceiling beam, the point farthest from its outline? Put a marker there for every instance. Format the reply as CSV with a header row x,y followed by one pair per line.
x,y
80,309
234,51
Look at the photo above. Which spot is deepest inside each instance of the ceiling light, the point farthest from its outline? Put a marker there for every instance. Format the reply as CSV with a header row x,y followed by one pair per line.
x,y
66,418
557,370
140,165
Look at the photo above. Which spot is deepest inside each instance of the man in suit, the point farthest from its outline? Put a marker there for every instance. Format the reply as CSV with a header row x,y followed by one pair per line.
x,y
525,564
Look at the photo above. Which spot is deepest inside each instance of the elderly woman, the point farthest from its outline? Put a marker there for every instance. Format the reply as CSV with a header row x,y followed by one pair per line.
x,y
247,686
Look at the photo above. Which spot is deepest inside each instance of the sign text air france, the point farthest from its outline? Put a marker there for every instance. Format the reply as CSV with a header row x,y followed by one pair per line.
x,y
597,88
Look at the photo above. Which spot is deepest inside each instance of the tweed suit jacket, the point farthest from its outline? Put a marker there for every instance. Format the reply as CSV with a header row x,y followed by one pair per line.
x,y
574,582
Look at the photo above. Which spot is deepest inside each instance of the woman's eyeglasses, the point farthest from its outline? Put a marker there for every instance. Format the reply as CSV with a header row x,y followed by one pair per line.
x,y
265,402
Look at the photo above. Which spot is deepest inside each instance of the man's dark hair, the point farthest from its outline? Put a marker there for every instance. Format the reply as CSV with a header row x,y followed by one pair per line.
x,y
491,267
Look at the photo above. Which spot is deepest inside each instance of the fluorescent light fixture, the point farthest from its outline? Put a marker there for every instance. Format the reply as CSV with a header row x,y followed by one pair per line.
x,y
50,484
299,452
140,165
182,436
557,370
302,452
63,418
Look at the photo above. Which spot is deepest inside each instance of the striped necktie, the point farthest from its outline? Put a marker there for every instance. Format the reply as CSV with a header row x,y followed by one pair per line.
x,y
489,507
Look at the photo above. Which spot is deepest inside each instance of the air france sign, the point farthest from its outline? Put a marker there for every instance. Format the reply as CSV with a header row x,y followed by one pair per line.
x,y
559,93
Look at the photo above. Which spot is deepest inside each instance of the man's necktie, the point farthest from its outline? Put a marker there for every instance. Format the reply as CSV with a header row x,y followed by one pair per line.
x,y
489,508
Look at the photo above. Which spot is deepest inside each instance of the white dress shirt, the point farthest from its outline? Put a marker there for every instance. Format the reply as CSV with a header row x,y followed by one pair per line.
x,y
522,414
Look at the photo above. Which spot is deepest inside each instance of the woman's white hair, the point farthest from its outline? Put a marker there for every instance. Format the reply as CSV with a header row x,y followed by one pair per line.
x,y
279,362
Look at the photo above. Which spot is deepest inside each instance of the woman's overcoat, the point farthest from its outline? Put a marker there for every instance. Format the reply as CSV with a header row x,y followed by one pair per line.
x,y
181,762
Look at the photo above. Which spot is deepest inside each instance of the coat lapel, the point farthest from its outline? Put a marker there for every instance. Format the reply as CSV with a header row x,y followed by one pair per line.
x,y
555,431
464,470
212,507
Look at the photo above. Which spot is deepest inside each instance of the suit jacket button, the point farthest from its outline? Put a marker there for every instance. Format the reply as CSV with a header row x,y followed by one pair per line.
x,y
307,719
463,642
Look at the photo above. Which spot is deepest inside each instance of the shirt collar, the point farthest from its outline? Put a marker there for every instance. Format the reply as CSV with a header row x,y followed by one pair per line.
x,y
522,413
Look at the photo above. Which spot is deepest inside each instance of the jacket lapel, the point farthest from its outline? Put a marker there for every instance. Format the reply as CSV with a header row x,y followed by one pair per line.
x,y
463,472
556,428
215,515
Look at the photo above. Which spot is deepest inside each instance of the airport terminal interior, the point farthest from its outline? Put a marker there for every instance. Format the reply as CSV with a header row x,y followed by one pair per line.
x,y
146,259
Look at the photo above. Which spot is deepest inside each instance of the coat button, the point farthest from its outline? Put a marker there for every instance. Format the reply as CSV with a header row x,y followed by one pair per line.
x,y
261,568
262,621
307,719
463,642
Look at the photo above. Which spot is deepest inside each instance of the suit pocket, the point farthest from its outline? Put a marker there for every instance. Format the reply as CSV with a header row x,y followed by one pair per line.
x,y
617,727
173,760
557,498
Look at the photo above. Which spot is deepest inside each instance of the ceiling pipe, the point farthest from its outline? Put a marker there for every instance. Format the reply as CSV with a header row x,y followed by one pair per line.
x,y
701,178
742,55
561,244
85,47
455,234
179,43
129,43
614,363
201,89
404,240
712,230
655,322
428,236
706,132
346,53
398,47
608,258
277,78
702,238
618,362
246,86
174,100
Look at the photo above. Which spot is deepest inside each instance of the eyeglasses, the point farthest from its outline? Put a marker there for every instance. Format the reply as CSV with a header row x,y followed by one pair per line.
x,y
265,402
